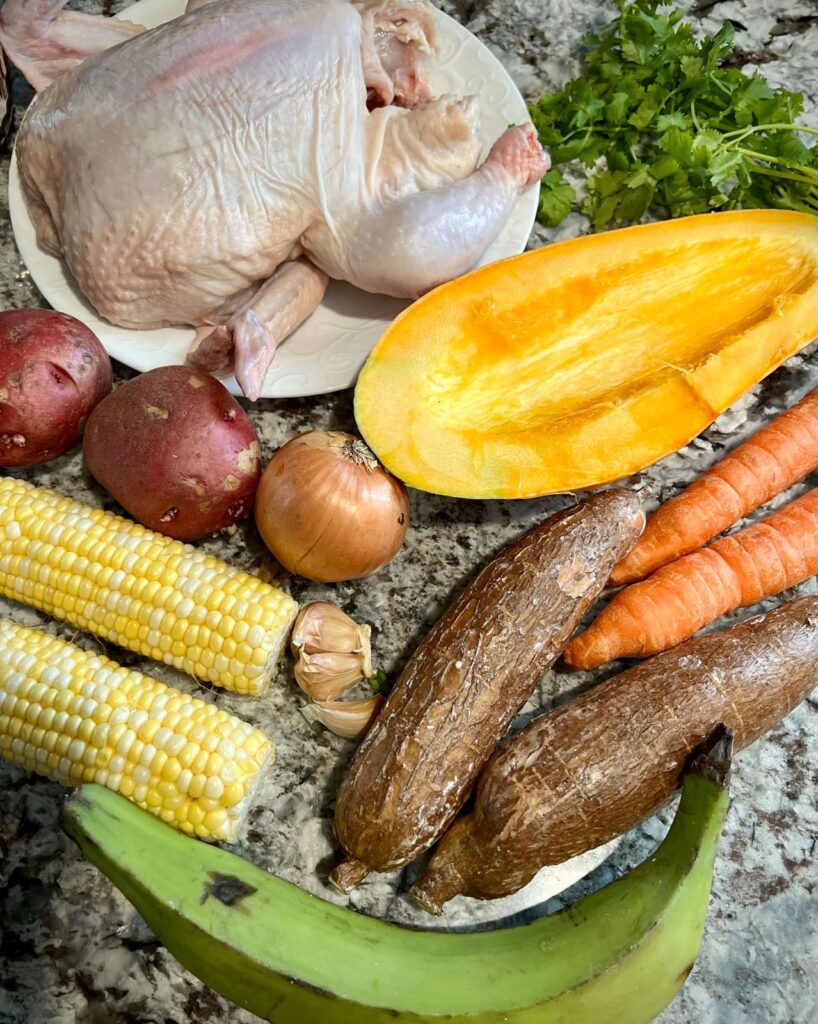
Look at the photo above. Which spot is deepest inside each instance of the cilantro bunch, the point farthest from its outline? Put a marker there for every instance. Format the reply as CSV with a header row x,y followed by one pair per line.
x,y
658,123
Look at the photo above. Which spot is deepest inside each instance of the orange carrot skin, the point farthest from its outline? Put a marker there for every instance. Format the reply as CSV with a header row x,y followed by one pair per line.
x,y
773,459
681,598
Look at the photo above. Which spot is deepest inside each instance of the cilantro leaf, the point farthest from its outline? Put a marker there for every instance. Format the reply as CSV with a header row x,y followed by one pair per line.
x,y
617,107
557,199
658,123
675,119
644,113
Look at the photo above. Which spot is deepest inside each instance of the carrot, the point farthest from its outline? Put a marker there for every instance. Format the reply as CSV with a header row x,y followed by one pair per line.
x,y
769,462
686,595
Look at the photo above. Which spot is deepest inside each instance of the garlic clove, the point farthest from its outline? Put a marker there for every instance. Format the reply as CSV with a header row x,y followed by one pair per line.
x,y
327,675
321,626
351,719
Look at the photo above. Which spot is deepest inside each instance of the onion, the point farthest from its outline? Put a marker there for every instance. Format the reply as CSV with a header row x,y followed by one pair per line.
x,y
328,510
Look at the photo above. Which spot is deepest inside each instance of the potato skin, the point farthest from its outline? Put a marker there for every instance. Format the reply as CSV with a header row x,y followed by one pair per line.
x,y
469,678
53,371
176,450
595,767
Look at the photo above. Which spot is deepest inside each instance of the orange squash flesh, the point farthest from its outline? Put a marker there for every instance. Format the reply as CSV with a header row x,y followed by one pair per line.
x,y
585,361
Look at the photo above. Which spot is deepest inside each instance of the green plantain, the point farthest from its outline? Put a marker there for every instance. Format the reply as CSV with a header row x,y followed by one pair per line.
x,y
618,955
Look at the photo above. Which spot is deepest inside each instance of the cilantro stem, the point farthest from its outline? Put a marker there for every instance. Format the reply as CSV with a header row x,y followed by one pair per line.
x,y
781,125
593,129
806,205
810,175
721,85
759,168
670,96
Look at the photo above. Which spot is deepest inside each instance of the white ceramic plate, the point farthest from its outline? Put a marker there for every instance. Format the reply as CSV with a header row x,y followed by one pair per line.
x,y
326,352
464,913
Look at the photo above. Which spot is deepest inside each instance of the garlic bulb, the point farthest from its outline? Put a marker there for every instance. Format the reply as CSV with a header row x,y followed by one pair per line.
x,y
332,651
328,510
351,719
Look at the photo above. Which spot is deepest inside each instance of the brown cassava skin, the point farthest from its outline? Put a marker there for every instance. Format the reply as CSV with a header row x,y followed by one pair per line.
x,y
176,450
53,371
598,765
469,678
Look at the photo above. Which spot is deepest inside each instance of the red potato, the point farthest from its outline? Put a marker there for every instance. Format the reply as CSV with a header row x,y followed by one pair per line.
x,y
53,371
176,450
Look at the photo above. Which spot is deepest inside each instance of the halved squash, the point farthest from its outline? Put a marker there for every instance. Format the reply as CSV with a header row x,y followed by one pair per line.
x,y
585,361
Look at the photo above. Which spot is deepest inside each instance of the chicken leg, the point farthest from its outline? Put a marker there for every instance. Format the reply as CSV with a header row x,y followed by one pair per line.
x,y
246,344
44,41
406,246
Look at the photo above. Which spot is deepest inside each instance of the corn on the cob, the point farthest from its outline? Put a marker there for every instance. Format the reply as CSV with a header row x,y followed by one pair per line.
x,y
156,596
78,717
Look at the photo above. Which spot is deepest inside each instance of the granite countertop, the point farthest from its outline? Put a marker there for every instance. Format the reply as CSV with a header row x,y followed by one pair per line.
x,y
72,950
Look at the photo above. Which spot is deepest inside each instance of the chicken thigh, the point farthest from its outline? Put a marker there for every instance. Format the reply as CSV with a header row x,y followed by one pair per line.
x,y
215,171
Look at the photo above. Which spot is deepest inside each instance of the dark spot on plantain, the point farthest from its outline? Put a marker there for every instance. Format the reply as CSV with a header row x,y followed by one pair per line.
x,y
685,974
227,889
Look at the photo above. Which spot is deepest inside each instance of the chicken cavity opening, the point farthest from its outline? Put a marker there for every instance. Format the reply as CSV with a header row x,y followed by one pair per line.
x,y
398,46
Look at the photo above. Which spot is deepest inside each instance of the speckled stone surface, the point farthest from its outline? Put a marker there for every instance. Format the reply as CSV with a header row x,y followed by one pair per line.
x,y
72,951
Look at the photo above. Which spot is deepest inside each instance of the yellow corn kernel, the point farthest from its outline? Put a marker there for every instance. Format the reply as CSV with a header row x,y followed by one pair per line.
x,y
187,755
157,764
201,785
199,762
214,821
154,595
233,794
148,730
197,786
195,815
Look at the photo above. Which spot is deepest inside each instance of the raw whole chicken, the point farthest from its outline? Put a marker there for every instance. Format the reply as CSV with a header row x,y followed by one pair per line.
x,y
215,171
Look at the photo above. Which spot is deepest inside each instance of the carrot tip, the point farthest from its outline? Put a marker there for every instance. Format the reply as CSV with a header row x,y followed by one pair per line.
x,y
622,575
583,653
